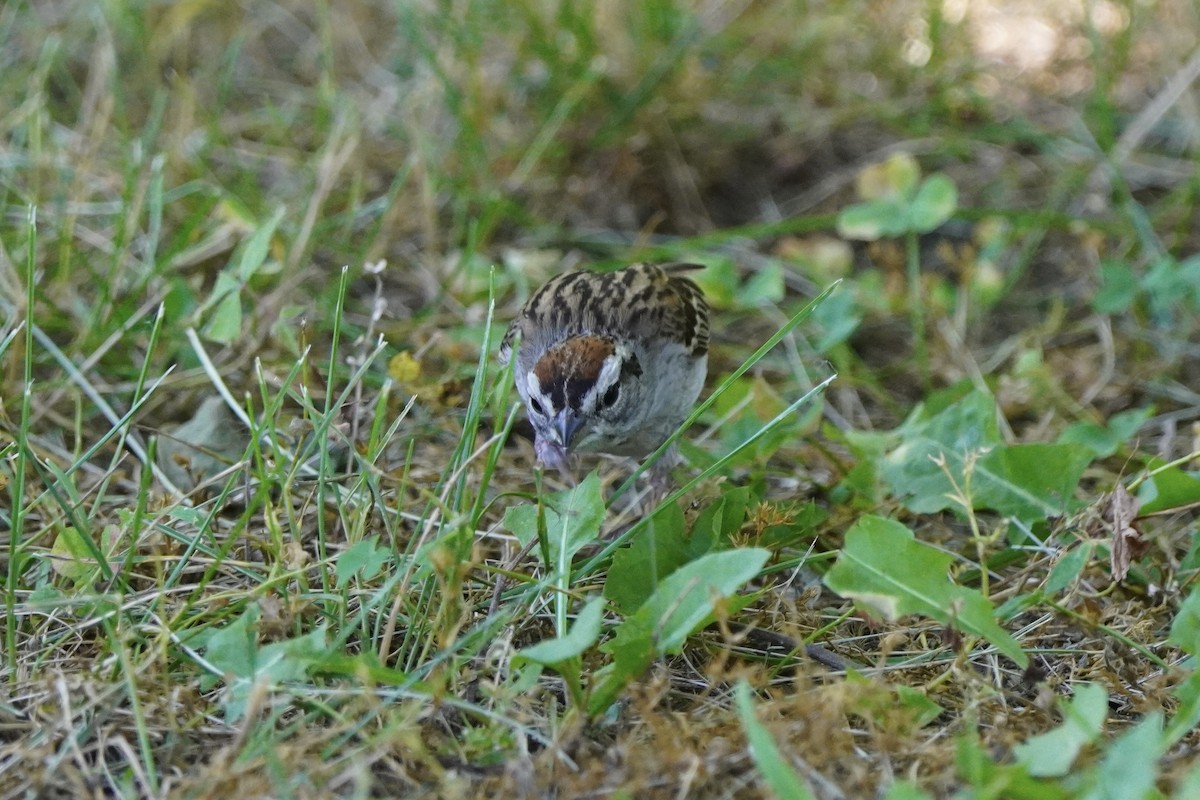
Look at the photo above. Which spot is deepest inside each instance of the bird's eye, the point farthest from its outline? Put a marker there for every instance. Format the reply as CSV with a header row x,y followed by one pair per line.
x,y
610,397
537,408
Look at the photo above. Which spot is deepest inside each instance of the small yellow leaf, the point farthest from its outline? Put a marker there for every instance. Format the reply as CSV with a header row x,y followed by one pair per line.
x,y
890,180
70,556
404,368
235,213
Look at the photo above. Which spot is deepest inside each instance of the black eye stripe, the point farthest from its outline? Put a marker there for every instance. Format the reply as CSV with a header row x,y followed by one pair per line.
x,y
631,367
575,390
553,390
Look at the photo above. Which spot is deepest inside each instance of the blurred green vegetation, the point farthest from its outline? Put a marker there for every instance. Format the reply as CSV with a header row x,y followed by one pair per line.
x,y
305,210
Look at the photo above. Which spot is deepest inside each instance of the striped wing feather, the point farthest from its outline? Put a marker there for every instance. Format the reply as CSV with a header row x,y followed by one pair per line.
x,y
645,301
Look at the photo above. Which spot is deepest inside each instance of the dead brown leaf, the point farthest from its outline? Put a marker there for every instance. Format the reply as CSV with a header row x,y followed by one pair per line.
x,y
1120,512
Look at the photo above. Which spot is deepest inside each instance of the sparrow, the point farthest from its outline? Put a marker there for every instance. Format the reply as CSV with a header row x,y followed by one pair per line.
x,y
609,362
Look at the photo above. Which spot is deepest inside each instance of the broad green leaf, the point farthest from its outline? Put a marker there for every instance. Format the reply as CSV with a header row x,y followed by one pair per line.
x,y
1187,711
1185,634
583,634
1130,766
860,488
782,780
225,319
225,322
1008,781
1028,481
1191,561
666,546
1051,754
291,659
904,790
70,555
254,252
1185,629
572,519
923,709
657,552
522,522
873,220
1017,604
763,287
894,202
77,556
234,650
225,285
968,426
1068,568
944,399
1170,488
838,317
719,520
687,598
575,518
719,281
1172,287
867,445
1104,440
935,202
884,570
275,664
284,330
1118,288
364,559
685,601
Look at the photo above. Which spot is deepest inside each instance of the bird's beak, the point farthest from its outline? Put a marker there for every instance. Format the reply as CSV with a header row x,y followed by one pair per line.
x,y
556,454
553,455
566,424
